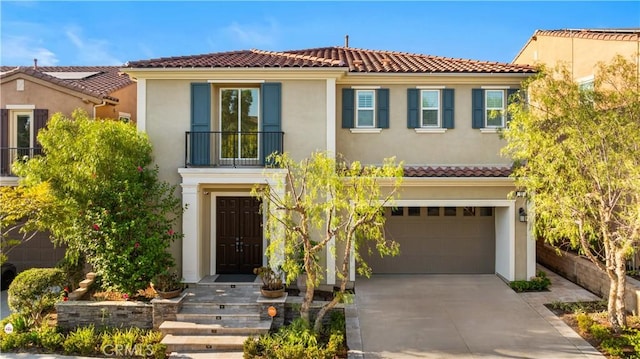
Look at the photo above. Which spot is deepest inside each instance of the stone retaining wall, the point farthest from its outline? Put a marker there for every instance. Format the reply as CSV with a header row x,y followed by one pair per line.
x,y
584,273
116,314
112,314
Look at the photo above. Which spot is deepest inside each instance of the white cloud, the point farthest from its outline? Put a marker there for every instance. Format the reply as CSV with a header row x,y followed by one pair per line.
x,y
21,50
90,51
250,35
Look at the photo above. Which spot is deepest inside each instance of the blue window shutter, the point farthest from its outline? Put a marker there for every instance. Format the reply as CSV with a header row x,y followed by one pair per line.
x,y
413,108
477,107
448,105
271,101
348,108
40,118
382,102
510,92
200,124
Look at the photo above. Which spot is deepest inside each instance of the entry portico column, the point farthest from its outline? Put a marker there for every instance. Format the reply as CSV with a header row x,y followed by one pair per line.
x,y
190,227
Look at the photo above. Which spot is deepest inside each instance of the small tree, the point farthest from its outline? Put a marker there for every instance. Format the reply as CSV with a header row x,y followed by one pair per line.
x,y
579,155
18,204
319,201
117,213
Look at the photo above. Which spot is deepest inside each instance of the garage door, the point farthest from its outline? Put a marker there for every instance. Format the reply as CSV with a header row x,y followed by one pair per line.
x,y
439,240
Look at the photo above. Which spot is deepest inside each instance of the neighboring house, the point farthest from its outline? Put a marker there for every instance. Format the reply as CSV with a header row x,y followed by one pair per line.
x,y
214,118
29,96
580,49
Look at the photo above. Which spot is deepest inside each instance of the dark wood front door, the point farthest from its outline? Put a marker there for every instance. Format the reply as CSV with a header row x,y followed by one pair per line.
x,y
238,235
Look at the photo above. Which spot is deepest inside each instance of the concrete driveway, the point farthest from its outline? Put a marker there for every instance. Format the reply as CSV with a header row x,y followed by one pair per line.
x,y
457,316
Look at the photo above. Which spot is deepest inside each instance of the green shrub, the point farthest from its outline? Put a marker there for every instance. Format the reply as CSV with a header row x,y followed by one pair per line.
x,y
537,284
599,332
584,322
35,291
633,338
20,323
49,338
120,338
17,341
294,341
81,341
614,346
120,215
151,341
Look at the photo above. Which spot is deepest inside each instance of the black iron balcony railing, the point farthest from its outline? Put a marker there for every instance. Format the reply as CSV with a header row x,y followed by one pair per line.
x,y
234,149
9,155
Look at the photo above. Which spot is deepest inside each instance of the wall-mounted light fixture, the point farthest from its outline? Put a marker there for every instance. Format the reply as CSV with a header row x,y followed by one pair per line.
x,y
522,215
521,193
206,193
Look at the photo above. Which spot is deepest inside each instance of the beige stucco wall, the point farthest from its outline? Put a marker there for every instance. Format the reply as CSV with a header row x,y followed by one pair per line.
x,y
43,97
580,55
461,145
304,117
168,118
169,115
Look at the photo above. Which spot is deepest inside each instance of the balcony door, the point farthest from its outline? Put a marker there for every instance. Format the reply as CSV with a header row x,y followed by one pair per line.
x,y
239,123
238,235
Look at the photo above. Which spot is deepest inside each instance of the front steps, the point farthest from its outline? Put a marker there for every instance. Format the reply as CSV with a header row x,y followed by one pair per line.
x,y
214,321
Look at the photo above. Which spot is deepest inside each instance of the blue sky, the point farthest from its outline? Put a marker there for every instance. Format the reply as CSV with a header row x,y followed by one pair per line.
x,y
114,32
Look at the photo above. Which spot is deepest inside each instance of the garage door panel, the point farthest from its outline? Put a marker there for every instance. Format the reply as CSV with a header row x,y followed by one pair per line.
x,y
439,245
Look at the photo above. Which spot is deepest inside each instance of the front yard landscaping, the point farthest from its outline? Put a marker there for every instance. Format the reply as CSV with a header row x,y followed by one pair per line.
x,y
589,319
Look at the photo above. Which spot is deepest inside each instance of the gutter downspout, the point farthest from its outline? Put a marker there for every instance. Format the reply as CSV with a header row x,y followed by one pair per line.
x,y
104,103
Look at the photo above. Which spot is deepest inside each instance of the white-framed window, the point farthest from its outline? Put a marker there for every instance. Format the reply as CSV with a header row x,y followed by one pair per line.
x,y
495,108
365,108
586,83
430,108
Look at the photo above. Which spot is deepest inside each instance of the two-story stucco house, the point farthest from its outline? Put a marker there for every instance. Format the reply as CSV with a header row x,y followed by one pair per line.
x,y
213,118
580,49
31,95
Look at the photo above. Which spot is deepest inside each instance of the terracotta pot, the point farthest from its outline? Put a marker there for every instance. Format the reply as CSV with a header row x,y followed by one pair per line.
x,y
272,293
170,294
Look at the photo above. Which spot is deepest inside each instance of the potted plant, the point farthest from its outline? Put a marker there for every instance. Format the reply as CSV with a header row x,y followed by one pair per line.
x,y
167,284
272,286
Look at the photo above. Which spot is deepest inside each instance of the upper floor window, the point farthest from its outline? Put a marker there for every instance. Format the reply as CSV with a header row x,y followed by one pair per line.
x,y
365,109
495,109
431,109
430,106
489,107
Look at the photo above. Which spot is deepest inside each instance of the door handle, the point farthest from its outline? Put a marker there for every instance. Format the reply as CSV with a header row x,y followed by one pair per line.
x,y
237,245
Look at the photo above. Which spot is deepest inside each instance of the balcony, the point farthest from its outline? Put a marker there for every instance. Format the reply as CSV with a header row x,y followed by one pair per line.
x,y
231,149
8,155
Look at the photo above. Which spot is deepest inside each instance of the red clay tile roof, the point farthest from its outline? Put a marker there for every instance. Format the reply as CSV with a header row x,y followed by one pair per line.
x,y
355,60
632,34
456,171
107,80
